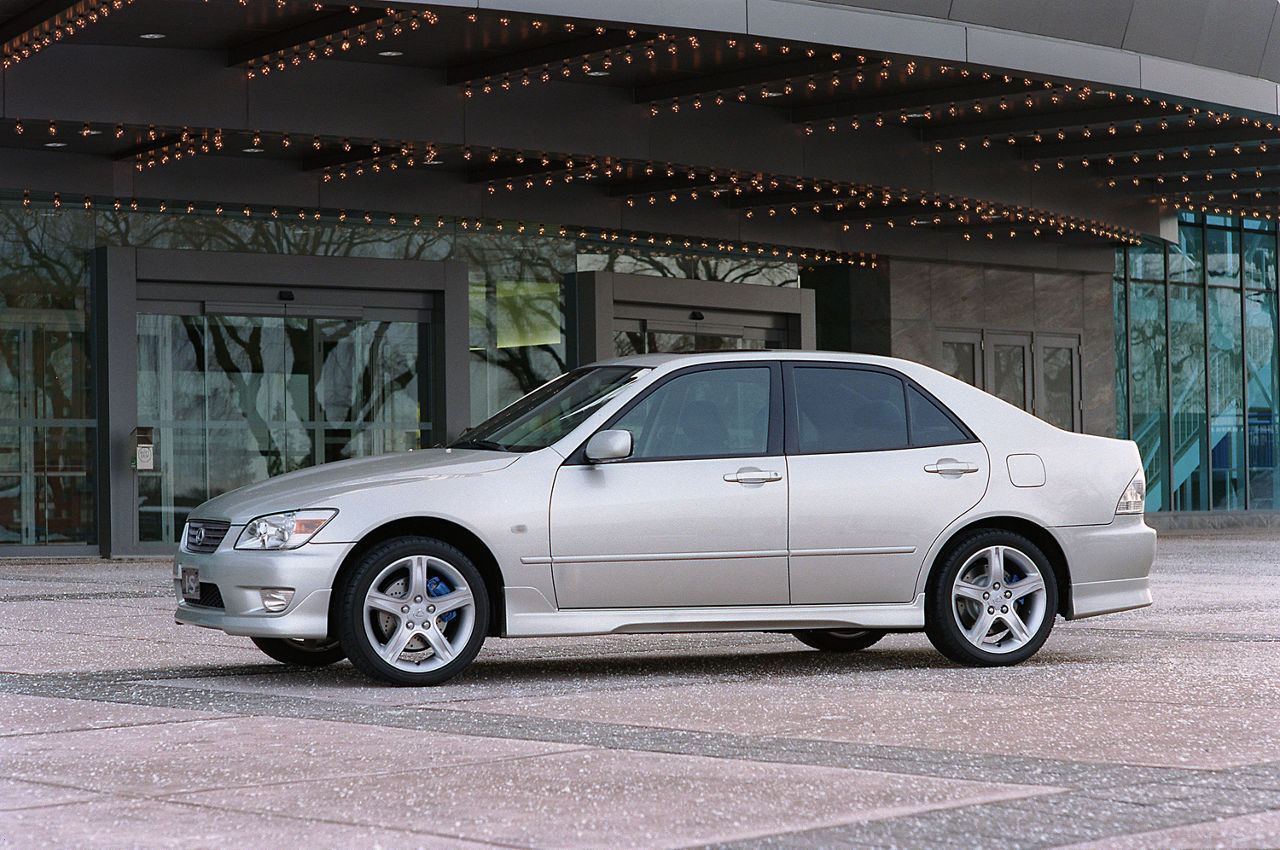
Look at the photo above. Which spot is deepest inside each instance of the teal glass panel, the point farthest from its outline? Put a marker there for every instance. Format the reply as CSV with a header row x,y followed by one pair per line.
x,y
1259,260
1262,373
1186,259
1149,379
1226,402
1146,261
1222,257
1188,439
1120,309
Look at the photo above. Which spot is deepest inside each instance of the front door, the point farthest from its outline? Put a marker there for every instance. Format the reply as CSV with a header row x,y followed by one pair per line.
x,y
696,516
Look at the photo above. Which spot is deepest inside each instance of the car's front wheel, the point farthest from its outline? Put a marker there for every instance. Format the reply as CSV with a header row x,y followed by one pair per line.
x,y
301,652
413,611
992,600
838,640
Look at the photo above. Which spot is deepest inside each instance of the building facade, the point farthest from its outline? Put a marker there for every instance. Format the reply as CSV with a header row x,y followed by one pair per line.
x,y
242,239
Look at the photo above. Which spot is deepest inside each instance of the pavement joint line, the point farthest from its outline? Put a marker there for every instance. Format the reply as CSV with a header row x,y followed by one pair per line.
x,y
81,595
783,750
141,724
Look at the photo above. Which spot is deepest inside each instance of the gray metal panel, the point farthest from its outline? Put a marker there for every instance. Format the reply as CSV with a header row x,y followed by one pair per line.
x,y
288,270
827,24
116,361
1191,81
1100,22
1047,56
455,358
1235,34
728,15
1269,68
1169,28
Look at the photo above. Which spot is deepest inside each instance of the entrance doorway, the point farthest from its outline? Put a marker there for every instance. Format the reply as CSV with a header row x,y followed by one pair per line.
x,y
248,366
234,398
1038,372
616,315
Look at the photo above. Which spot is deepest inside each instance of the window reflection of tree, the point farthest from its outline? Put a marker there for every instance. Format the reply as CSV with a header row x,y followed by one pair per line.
x,y
43,275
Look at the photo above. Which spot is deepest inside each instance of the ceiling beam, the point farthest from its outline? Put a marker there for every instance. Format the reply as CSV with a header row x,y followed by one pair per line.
x,y
755,75
1169,141
547,54
1042,121
911,100
1174,163
513,170
32,18
286,40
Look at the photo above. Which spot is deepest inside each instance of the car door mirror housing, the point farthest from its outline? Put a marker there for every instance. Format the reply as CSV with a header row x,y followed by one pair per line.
x,y
605,446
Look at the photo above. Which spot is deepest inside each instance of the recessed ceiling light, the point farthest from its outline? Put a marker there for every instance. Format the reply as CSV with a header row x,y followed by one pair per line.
x,y
93,132
597,73
391,53
772,93
152,35
433,162
55,144
253,150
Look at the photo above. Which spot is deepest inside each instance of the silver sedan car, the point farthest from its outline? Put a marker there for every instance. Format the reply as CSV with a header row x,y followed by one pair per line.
x,y
835,496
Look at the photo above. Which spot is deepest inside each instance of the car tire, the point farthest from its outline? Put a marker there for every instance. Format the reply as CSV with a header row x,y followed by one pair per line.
x,y
413,611
301,652
992,600
838,640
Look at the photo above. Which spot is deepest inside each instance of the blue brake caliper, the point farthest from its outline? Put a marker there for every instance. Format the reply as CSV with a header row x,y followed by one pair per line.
x,y
437,587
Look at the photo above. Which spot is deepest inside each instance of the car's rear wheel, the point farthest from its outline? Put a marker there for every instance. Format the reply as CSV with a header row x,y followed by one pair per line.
x,y
992,600
301,652
838,640
413,611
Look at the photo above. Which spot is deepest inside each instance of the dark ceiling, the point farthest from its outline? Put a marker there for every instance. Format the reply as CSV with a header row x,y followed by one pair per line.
x,y
1145,148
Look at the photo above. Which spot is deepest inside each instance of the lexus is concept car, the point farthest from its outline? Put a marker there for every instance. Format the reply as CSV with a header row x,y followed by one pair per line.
x,y
834,496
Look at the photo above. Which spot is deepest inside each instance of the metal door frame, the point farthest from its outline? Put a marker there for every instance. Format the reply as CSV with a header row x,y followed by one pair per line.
x,y
595,300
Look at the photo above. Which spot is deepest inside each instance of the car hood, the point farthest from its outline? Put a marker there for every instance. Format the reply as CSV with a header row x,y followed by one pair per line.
x,y
316,486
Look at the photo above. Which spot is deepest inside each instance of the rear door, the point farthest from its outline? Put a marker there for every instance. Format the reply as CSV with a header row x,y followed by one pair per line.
x,y
877,468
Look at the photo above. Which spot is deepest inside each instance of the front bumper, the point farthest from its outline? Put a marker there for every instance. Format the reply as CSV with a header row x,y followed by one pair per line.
x,y
239,575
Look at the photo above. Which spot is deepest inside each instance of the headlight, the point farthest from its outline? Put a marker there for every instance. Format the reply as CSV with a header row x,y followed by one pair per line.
x,y
283,531
1134,498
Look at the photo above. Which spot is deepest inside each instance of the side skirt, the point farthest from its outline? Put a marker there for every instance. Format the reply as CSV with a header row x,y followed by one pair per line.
x,y
604,621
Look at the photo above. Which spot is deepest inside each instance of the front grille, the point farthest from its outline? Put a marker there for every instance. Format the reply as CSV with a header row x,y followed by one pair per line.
x,y
210,596
204,535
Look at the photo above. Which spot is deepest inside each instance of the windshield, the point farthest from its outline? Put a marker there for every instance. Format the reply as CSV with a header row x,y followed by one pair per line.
x,y
549,412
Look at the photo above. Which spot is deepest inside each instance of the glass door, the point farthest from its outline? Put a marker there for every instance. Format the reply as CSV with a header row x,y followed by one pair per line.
x,y
237,398
46,430
1038,372
634,332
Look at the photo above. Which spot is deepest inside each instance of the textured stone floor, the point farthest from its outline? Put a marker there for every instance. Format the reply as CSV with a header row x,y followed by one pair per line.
x,y
1150,729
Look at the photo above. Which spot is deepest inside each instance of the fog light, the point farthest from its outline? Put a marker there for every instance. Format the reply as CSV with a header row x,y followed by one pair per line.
x,y
275,599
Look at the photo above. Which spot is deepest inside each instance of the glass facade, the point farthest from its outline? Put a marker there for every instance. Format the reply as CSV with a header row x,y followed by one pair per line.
x,y
1196,363
235,398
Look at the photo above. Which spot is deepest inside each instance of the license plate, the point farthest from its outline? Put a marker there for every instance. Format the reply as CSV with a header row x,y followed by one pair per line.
x,y
191,583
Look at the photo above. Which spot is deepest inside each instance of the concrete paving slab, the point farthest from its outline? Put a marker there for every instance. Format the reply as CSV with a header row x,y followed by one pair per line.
x,y
124,824
16,795
1249,832
28,715
180,758
592,798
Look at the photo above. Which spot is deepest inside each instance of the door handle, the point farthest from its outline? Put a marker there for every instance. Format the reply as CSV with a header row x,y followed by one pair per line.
x,y
751,475
951,466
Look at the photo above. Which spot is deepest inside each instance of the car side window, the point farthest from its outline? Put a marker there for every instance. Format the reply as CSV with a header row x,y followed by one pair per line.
x,y
707,413
848,410
929,425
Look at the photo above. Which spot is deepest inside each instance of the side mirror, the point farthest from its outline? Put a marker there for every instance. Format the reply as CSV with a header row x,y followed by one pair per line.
x,y
605,446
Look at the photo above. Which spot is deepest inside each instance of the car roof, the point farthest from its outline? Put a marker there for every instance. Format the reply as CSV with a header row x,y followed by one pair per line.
x,y
696,358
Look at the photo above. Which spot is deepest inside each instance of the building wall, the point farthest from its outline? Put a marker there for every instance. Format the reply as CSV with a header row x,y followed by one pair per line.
x,y
927,299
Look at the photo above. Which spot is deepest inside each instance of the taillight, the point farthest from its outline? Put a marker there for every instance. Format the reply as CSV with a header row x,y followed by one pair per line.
x,y
1135,496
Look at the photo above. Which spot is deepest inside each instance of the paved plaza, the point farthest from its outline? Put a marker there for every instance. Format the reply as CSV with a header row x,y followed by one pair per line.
x,y
1151,729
